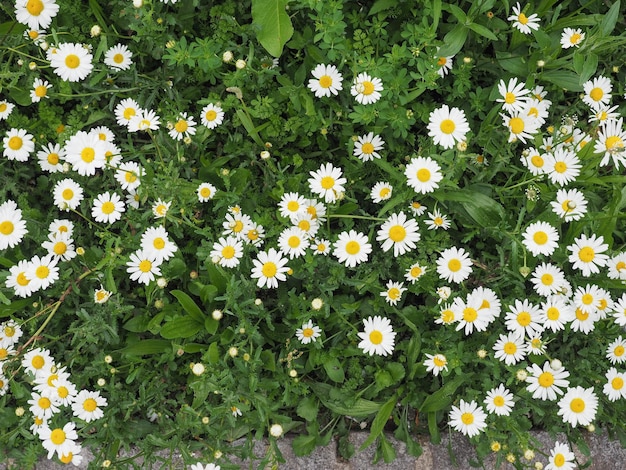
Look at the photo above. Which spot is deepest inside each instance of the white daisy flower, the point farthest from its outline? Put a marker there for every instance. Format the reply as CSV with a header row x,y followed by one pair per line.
x,y
132,199
447,316
488,301
254,234
144,120
18,281
436,363
523,318
291,204
6,108
414,272
570,204
36,14
381,191
85,152
611,141
578,406
444,64
499,401
447,126
615,388
417,208
510,348
521,126
514,95
583,321
366,89
60,245
327,80
393,292
211,116
468,418
160,208
129,175
18,145
352,248
185,126
603,114
597,91
470,315
269,268
525,24
378,336
10,332
12,226
101,295
293,242
437,220
561,458
587,254
308,332
400,233
616,351
118,57
571,37
142,267
67,194
540,238
38,361
42,272
555,314
43,405
587,298
367,146
156,244
321,246
107,208
454,265
206,192
423,174
547,279
50,158
534,160
126,110
316,209
71,62
88,405
237,224
40,90
546,383
327,182
305,222
562,166
58,440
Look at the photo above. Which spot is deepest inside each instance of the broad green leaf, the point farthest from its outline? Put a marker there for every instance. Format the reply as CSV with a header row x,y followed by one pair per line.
x,y
360,409
378,425
453,41
334,370
213,355
484,210
308,408
457,12
442,398
304,444
565,79
610,19
6,310
435,436
380,5
274,24
211,325
389,453
436,14
589,68
189,305
268,360
247,123
413,350
147,346
181,327
483,31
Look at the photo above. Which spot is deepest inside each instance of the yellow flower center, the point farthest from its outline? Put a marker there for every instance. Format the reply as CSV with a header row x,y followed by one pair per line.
x,y
423,174
130,177
210,115
4,353
447,126
620,266
269,269
498,401
587,299
547,279
574,38
559,460
129,113
325,81
161,209
537,161
596,94
441,61
294,241
307,332
108,207
619,351
293,206
304,225
205,192
66,458
253,235
9,331
540,237
367,88
101,295
367,147
181,126
67,194
581,315
546,379
321,247
454,265
577,405
522,18
439,361
158,243
327,182
447,316
34,7
516,124
614,143
53,158
42,272
6,227
523,318
57,436
416,271
41,91
470,314
560,167
376,337
617,383
384,192
553,313
510,348
238,227
397,233
118,58
37,362
3,107
586,254
145,266
59,248
467,418
566,206
89,405
353,247
44,403
15,143
393,293
87,154
72,61
22,280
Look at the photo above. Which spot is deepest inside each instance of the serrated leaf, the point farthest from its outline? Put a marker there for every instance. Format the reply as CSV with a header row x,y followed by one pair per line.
x,y
304,445
308,408
181,327
274,24
189,305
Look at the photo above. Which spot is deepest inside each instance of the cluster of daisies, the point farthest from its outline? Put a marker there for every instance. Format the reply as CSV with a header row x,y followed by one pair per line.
x,y
327,81
56,404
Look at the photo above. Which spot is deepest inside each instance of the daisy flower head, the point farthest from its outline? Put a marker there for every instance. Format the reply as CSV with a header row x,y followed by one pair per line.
x,y
145,120
156,244
378,336
534,160
366,147
42,272
43,405
206,192
499,401
308,332
85,152
36,14
160,208
414,272
615,387
293,242
38,362
436,363
488,300
291,204
468,418
571,37
444,64
129,175
510,348
546,383
366,89
470,315
547,279
101,295
584,321
524,24
523,318
107,208
381,192
603,114
447,126
393,292
570,204
211,116
611,141
327,182
537,110
327,80
6,108
556,313
521,126
254,234
454,265
51,158
447,315
12,226
132,199
588,298
578,406
321,246
126,110
88,405
18,281
269,268
423,174
597,91
617,266
58,440
352,248
10,332
562,166
514,95
400,233
71,62
437,220
118,57
142,267
561,458
67,194
237,224
316,209
209,466
39,90
305,222
587,254
616,351
185,126
18,145
60,245
417,208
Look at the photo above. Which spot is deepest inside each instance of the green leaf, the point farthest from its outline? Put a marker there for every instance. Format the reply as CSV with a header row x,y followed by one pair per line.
x,y
211,325
213,355
308,408
457,12
435,437
147,346
565,79
304,444
484,210
413,350
389,453
247,123
436,15
589,67
189,305
6,310
483,31
453,41
378,425
442,398
275,27
334,370
380,5
360,409
268,360
181,327
610,19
